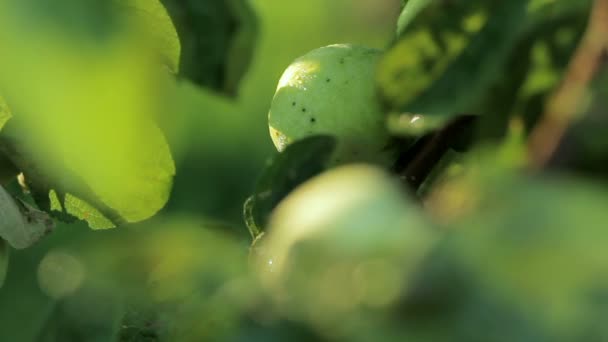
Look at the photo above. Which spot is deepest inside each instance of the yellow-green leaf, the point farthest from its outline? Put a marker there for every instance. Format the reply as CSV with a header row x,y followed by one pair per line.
x,y
85,114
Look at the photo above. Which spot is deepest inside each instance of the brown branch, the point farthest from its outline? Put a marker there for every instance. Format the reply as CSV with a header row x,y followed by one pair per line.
x,y
565,101
416,164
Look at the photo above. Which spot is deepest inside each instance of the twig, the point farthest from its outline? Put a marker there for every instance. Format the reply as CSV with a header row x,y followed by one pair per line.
x,y
415,164
564,102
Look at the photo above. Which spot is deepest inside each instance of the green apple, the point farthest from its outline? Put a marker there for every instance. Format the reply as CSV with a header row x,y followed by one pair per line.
x,y
342,241
330,90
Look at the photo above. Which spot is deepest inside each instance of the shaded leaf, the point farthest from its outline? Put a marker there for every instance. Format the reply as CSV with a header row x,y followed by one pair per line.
x,y
217,39
473,57
299,162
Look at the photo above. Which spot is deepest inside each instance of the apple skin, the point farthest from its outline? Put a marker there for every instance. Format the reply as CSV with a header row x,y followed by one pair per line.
x,y
331,91
344,240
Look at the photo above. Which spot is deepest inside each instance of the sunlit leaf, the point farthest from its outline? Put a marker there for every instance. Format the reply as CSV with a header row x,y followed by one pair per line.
x,y
155,21
83,122
5,113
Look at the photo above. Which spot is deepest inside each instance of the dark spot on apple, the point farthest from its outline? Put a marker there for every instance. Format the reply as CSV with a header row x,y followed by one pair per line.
x,y
328,80
313,120
293,104
303,110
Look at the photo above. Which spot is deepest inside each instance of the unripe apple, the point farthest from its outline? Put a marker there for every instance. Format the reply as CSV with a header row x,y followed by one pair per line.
x,y
331,91
342,241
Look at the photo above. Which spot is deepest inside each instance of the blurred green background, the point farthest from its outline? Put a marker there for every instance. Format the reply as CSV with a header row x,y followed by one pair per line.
x,y
484,252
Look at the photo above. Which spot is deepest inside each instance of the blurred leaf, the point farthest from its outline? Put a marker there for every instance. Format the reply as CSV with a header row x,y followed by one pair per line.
x,y
432,35
535,67
156,22
472,57
4,259
23,306
530,255
299,162
21,225
217,41
139,325
409,12
84,316
5,113
187,279
86,130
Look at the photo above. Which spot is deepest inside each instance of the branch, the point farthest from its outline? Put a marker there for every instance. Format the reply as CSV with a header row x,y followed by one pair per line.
x,y
415,164
565,101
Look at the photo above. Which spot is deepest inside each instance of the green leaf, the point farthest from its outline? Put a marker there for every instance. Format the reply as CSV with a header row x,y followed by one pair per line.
x,y
427,45
218,38
24,307
472,57
409,12
91,136
472,72
5,113
72,319
299,162
20,224
156,23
